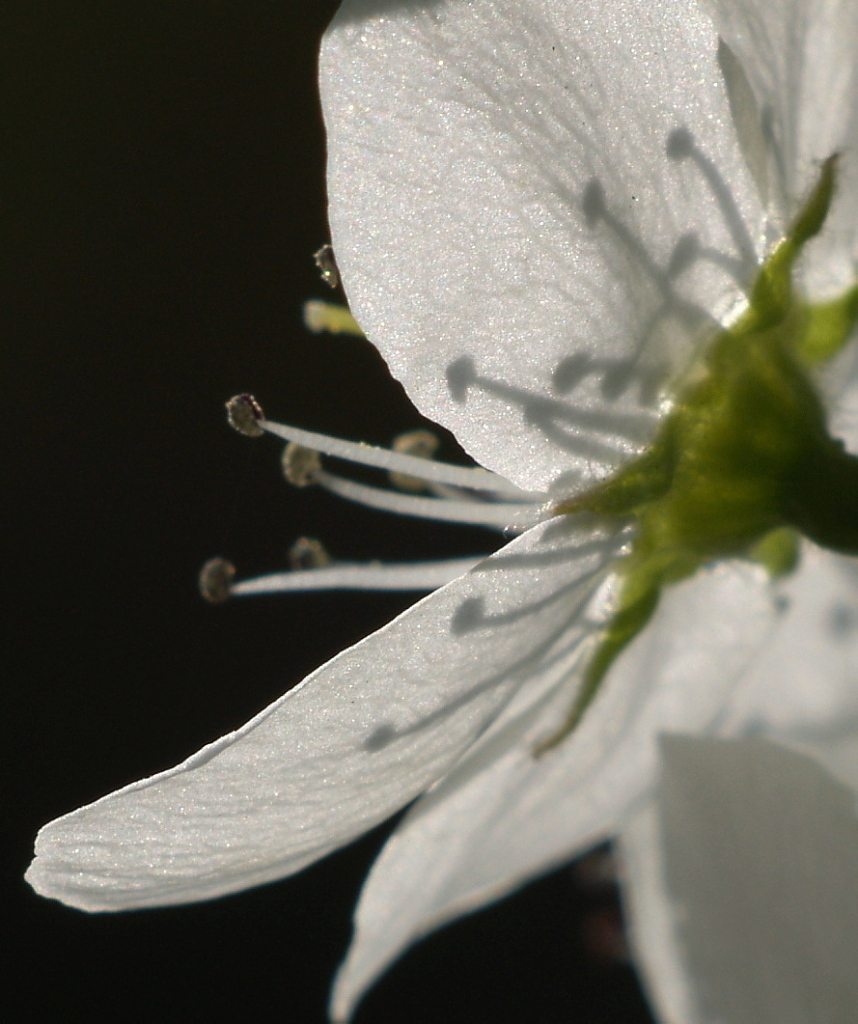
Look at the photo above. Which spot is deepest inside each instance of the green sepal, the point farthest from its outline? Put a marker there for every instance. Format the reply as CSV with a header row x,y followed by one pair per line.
x,y
827,327
771,298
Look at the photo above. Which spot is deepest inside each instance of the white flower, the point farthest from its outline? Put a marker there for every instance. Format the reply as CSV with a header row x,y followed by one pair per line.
x,y
541,212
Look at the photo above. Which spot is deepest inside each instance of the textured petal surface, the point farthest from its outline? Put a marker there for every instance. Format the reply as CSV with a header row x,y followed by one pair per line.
x,y
760,846
801,61
357,740
503,815
536,209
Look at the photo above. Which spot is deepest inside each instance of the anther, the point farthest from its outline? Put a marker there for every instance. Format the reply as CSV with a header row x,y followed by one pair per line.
x,y
308,553
330,317
244,415
301,466
422,443
327,265
215,580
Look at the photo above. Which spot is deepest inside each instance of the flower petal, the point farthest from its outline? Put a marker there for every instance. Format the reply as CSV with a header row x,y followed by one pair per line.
x,y
801,61
502,815
357,740
759,853
651,919
543,203
802,690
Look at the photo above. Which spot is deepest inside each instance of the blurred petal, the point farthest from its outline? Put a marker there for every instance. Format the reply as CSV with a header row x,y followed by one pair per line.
x,y
503,816
362,736
511,231
801,60
759,853
651,920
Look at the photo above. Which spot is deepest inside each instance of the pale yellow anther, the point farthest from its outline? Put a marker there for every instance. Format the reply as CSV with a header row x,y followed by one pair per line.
x,y
301,465
308,553
244,413
327,265
421,443
215,580
330,317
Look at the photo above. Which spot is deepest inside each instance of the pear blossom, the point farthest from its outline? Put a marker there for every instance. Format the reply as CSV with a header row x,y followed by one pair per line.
x,y
575,230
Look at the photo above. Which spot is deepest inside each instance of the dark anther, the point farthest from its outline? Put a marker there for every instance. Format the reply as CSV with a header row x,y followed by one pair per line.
x,y
244,415
216,578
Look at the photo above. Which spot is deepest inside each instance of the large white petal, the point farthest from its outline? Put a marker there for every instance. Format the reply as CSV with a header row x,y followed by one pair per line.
x,y
506,215
359,738
801,61
503,816
754,862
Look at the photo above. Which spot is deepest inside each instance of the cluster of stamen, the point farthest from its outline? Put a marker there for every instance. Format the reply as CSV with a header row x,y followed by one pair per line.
x,y
420,486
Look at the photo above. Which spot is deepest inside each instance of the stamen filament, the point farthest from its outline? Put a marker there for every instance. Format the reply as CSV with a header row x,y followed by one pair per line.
x,y
360,576
475,479
450,510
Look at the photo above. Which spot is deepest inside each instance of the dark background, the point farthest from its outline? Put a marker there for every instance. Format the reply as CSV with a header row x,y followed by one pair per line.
x,y
162,192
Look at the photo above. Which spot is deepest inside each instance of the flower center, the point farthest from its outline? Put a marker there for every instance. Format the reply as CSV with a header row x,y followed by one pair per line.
x,y
744,460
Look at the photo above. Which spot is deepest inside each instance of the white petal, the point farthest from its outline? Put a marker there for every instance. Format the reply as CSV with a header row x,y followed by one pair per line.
x,y
760,848
801,60
803,690
359,738
505,213
651,919
503,816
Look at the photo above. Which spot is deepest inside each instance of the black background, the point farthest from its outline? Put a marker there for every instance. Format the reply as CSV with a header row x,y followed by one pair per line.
x,y
162,191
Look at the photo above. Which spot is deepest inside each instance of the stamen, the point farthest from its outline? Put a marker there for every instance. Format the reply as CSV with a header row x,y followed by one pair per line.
x,y
330,317
360,576
327,265
422,443
479,513
215,580
476,479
